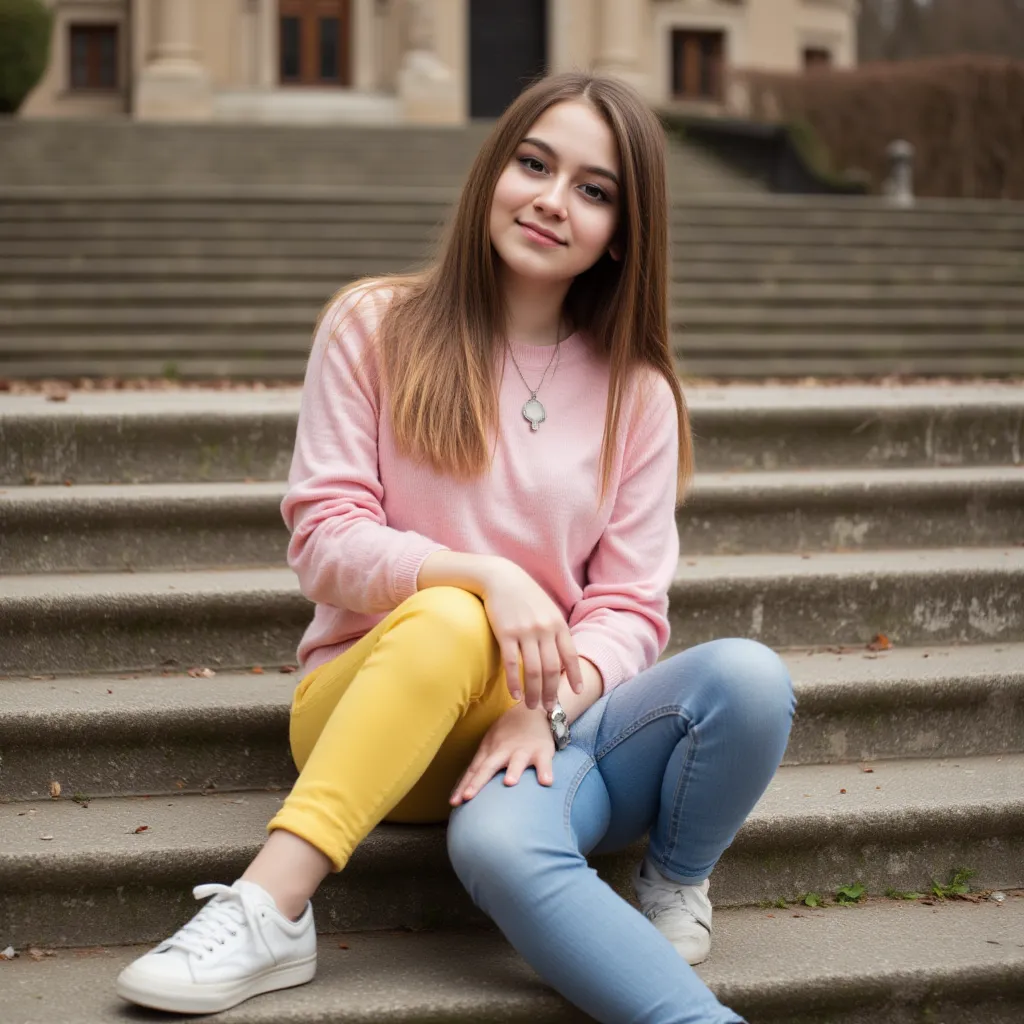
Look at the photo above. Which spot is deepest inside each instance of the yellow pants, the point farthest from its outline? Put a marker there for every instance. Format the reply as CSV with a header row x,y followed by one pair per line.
x,y
385,730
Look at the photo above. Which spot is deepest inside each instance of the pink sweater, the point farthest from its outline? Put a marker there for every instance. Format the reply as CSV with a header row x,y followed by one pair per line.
x,y
363,518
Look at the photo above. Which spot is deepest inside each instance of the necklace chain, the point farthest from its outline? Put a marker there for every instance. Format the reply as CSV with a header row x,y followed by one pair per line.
x,y
533,409
533,391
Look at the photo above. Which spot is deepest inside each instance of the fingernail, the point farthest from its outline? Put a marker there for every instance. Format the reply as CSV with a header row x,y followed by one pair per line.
x,y
517,695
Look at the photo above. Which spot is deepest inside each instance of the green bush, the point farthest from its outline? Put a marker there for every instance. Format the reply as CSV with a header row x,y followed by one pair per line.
x,y
25,30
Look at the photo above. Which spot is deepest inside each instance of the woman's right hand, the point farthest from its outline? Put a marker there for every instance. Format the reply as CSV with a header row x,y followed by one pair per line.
x,y
529,625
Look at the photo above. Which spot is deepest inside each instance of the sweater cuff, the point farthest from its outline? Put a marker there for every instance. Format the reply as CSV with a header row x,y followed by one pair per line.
x,y
594,648
407,569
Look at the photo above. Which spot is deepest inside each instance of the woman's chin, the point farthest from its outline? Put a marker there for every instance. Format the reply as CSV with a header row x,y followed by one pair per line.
x,y
534,270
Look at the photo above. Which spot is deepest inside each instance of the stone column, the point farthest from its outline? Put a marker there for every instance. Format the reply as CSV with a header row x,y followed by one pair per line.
x,y
620,41
427,88
364,45
173,85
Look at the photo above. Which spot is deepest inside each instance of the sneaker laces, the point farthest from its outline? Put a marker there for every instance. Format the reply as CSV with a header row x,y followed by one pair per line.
x,y
661,896
213,924
666,900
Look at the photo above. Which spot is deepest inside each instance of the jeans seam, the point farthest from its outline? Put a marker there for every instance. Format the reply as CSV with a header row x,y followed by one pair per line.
x,y
684,775
581,774
652,715
680,795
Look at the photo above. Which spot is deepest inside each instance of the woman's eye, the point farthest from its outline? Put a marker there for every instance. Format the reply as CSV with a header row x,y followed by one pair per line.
x,y
595,193
531,163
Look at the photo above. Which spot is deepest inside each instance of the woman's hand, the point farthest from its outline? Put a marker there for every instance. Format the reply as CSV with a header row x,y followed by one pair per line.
x,y
528,624
518,739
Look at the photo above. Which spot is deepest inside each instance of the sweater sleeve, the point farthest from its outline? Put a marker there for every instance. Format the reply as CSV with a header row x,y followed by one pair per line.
x,y
341,547
620,622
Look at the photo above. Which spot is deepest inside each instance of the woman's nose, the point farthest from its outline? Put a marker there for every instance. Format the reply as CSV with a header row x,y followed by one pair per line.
x,y
552,200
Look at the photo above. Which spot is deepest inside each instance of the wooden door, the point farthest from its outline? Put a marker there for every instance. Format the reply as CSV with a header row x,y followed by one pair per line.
x,y
314,42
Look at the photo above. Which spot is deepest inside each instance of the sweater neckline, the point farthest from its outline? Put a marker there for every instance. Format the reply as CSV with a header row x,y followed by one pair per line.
x,y
538,356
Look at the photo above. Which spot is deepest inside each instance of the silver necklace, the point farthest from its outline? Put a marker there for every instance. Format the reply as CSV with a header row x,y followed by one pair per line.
x,y
532,408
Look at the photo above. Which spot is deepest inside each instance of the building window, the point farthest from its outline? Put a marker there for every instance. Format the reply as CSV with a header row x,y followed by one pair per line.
x,y
817,57
94,63
314,40
698,60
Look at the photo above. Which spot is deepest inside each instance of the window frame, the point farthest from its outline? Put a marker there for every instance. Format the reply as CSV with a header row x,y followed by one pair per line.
x,y
696,63
94,32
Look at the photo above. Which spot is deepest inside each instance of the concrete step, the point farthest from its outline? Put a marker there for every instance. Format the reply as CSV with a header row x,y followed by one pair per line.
x,y
234,618
421,225
720,366
688,295
105,527
226,201
335,271
899,826
887,961
247,155
316,246
289,319
107,735
206,435
340,269
741,366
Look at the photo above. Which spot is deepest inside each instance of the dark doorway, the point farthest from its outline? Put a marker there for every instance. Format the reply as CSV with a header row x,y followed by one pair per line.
x,y
314,42
508,47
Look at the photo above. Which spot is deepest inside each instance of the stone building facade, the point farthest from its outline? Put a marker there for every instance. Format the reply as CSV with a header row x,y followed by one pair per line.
x,y
413,61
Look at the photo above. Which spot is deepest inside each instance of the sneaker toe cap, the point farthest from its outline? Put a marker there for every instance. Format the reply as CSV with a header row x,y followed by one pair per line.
x,y
155,968
694,949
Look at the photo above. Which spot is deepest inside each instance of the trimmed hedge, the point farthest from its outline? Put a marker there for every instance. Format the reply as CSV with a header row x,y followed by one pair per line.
x,y
963,115
26,27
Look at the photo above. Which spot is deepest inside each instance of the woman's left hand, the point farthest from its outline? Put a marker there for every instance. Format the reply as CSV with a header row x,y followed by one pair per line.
x,y
520,738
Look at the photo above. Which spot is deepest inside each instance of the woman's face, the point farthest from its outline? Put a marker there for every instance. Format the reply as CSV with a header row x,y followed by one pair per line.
x,y
556,205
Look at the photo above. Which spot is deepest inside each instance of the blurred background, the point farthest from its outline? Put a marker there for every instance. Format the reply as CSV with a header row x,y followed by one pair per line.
x,y
842,173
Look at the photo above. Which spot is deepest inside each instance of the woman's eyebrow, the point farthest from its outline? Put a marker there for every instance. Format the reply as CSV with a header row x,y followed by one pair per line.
x,y
541,144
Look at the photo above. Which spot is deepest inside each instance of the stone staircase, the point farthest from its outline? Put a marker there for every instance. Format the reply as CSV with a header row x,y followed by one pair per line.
x,y
140,538
120,154
205,281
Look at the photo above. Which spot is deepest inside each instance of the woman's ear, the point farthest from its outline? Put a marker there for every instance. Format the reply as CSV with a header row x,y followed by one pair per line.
x,y
615,251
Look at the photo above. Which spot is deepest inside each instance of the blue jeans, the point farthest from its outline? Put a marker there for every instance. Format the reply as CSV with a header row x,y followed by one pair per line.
x,y
683,751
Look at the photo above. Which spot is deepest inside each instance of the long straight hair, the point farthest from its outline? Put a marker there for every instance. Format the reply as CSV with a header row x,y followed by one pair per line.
x,y
438,339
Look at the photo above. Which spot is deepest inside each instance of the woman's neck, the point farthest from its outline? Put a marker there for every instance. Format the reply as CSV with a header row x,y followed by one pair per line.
x,y
534,310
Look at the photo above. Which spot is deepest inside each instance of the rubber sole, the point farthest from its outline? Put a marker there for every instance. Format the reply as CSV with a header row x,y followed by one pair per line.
x,y
212,998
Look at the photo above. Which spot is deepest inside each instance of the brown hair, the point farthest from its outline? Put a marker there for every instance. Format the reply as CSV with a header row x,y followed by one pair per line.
x,y
436,339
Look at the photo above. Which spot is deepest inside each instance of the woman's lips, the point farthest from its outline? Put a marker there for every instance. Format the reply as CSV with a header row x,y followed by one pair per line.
x,y
538,237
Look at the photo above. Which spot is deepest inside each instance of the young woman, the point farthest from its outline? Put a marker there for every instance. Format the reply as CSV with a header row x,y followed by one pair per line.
x,y
482,505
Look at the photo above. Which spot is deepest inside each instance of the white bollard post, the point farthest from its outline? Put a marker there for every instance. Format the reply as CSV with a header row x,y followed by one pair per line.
x,y
899,185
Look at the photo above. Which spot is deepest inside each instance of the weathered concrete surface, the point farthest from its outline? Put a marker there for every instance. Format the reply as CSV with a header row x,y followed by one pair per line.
x,y
110,527
900,826
113,622
117,736
130,621
896,963
920,597
148,437
908,702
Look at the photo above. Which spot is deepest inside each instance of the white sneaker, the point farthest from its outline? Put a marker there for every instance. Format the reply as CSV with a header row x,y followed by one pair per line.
x,y
237,946
682,913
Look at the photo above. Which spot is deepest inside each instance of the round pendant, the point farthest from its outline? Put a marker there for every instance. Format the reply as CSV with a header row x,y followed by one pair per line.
x,y
534,412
